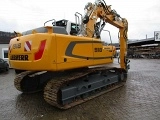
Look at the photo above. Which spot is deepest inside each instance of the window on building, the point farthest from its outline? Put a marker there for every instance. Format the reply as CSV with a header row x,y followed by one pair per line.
x,y
4,53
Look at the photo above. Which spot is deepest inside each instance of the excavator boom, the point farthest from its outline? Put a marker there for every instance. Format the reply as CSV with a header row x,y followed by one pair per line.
x,y
92,28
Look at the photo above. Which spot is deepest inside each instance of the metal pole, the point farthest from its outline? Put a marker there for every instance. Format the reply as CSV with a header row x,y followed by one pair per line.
x,y
109,35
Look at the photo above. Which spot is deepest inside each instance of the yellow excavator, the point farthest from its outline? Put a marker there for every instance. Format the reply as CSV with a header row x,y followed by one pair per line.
x,y
68,61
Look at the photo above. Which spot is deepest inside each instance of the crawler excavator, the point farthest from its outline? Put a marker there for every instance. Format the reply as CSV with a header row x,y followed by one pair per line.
x,y
70,68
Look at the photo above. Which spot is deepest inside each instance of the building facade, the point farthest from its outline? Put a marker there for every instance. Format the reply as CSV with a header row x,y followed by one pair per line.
x,y
145,48
5,38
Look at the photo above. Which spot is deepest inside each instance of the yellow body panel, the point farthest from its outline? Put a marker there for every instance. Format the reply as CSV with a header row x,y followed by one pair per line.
x,y
110,48
54,52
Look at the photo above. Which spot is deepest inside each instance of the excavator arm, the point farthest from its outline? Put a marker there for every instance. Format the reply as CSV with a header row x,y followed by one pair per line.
x,y
92,28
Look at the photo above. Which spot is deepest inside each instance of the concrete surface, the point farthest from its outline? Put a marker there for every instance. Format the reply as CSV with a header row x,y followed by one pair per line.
x,y
139,99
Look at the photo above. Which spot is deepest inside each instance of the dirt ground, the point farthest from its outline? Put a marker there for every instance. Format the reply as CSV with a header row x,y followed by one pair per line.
x,y
139,99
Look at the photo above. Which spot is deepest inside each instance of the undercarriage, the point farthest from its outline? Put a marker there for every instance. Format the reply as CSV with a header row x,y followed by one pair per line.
x,y
69,88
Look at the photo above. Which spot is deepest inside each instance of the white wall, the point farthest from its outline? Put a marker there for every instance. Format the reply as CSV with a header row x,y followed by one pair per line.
x,y
3,51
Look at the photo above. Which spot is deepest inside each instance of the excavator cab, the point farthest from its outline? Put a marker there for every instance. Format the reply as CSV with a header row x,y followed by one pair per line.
x,y
71,27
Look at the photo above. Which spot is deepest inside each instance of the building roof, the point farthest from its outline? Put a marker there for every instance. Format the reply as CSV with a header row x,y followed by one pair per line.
x,y
142,42
5,37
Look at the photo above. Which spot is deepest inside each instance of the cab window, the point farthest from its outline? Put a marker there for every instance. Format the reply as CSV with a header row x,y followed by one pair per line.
x,y
74,29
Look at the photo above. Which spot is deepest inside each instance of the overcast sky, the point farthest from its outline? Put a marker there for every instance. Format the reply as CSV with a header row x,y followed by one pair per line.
x,y
20,15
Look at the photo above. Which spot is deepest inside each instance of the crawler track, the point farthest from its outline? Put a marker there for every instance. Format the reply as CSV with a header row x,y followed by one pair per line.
x,y
52,93
67,89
